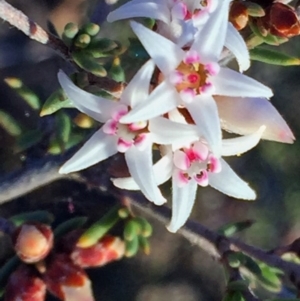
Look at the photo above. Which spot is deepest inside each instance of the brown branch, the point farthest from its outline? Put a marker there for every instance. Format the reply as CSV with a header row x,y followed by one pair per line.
x,y
35,32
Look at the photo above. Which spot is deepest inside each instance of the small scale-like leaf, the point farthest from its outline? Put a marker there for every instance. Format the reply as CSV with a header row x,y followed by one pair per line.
x,y
238,286
63,127
99,229
55,147
55,102
131,247
28,139
91,29
82,40
69,33
254,9
269,38
144,244
145,226
233,228
273,57
41,216
9,124
131,230
124,213
252,266
88,63
235,259
101,47
116,72
24,92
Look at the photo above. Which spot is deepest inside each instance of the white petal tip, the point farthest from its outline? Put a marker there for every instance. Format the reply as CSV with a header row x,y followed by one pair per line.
x,y
172,229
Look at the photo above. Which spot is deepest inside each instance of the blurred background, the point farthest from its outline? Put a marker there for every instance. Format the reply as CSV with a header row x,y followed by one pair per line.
x,y
175,270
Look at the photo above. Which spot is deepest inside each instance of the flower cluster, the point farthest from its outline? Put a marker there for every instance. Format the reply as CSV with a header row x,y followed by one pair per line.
x,y
193,99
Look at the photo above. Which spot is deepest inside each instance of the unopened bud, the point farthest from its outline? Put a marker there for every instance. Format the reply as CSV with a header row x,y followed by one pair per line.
x,y
281,20
24,285
33,241
238,15
67,281
108,249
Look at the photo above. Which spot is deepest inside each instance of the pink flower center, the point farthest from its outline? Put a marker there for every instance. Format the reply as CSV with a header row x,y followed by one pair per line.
x,y
192,77
195,163
128,134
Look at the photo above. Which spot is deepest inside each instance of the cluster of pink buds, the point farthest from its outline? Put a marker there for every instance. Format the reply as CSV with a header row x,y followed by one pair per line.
x,y
57,268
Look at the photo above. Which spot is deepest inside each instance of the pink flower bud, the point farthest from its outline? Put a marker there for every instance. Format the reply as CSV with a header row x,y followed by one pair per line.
x,y
33,241
67,281
107,249
24,285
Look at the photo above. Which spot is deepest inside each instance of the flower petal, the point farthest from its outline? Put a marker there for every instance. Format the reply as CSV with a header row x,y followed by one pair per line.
x,y
164,52
162,100
137,90
148,9
165,131
231,83
228,182
245,115
182,204
239,145
210,39
97,107
205,114
236,44
140,167
98,148
162,170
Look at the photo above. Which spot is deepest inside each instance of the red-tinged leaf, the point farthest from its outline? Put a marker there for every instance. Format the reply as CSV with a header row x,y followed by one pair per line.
x,y
108,249
25,285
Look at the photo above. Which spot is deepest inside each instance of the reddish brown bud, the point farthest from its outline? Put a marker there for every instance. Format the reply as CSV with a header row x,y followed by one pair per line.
x,y
280,20
33,241
108,249
24,285
238,15
67,281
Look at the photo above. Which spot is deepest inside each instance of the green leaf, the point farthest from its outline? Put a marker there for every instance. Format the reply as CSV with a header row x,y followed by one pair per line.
x,y
252,266
116,72
28,139
55,102
131,247
91,29
99,229
9,124
101,47
145,227
269,38
5,271
24,92
41,216
238,285
270,278
233,228
254,9
69,225
144,244
55,147
82,40
63,127
88,63
273,57
131,230
235,259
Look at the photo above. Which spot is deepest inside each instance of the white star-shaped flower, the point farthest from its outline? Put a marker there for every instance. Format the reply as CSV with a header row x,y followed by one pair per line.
x,y
134,139
194,165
